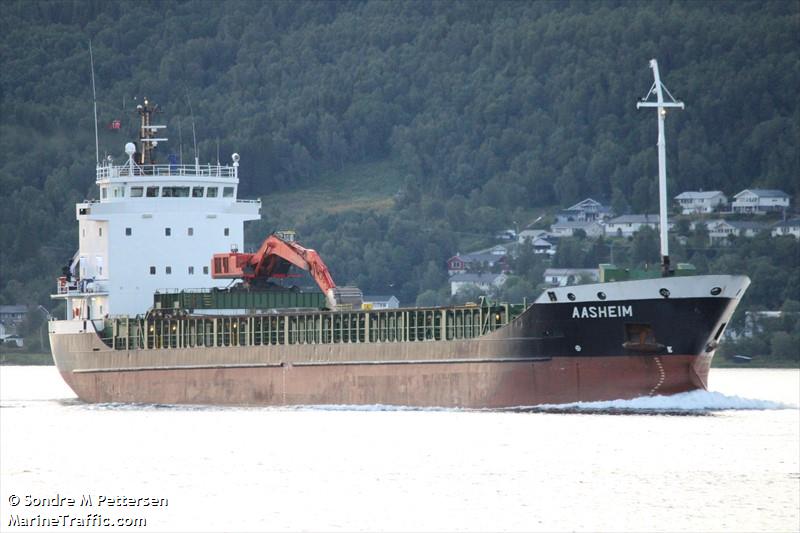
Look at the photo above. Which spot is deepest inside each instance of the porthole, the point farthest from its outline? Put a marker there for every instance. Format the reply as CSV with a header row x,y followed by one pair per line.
x,y
664,293
571,297
601,295
716,291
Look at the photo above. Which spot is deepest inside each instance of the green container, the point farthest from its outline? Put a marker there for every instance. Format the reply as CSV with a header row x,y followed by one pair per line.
x,y
252,299
609,272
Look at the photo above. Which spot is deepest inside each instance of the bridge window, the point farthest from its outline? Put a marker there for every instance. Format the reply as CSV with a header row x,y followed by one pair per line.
x,y
137,192
175,192
152,192
211,192
227,192
197,192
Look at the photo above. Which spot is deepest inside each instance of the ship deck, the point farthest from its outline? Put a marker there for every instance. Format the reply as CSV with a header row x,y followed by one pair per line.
x,y
179,329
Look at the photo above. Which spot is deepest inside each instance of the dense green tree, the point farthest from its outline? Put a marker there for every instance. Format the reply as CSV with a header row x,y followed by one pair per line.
x,y
487,110
645,247
569,254
517,289
430,298
469,293
785,346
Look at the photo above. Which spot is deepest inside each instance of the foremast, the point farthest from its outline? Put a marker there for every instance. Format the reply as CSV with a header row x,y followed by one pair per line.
x,y
659,89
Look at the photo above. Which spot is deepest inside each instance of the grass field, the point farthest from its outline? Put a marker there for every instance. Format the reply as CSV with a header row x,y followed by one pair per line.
x,y
368,186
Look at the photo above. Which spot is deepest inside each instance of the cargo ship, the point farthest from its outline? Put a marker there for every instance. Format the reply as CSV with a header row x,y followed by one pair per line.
x,y
151,316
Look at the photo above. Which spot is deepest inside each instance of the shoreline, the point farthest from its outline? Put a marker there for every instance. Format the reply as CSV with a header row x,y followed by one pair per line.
x,y
26,359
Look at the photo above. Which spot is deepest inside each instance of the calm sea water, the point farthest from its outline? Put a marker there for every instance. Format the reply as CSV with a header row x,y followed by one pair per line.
x,y
724,460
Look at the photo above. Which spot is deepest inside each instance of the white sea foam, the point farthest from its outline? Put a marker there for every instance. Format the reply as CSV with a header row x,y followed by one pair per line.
x,y
368,407
683,402
695,401
687,401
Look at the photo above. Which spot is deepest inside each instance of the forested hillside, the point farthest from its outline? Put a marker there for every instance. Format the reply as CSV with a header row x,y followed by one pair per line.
x,y
473,115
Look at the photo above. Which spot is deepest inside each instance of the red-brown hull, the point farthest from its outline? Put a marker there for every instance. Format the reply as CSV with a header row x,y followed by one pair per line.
x,y
585,343
467,385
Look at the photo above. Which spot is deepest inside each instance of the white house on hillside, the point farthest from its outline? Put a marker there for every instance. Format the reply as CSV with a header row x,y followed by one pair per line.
x,y
701,201
543,246
585,210
760,201
719,231
561,277
568,228
382,301
13,314
531,234
484,282
787,227
627,225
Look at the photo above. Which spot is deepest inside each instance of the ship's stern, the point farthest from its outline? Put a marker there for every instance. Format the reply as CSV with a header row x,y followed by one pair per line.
x,y
70,343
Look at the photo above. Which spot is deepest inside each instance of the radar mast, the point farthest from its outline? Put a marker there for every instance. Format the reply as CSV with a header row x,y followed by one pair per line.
x,y
147,139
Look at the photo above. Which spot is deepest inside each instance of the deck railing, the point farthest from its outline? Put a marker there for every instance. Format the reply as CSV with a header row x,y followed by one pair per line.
x,y
79,286
192,171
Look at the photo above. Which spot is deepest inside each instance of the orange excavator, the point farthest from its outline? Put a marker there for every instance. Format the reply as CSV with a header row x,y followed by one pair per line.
x,y
273,260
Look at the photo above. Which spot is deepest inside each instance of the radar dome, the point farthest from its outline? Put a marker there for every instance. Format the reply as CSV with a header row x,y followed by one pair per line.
x,y
235,157
130,148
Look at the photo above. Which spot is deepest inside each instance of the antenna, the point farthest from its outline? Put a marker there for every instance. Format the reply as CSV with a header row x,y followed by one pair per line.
x,y
217,151
94,100
194,135
180,142
658,89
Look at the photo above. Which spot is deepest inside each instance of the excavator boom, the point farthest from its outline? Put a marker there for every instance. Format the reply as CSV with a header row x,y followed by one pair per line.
x,y
272,260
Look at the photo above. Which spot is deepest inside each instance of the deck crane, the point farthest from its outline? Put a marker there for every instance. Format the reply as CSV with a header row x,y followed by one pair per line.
x,y
273,260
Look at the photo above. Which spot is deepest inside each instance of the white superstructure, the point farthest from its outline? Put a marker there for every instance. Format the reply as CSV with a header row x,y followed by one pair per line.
x,y
154,228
